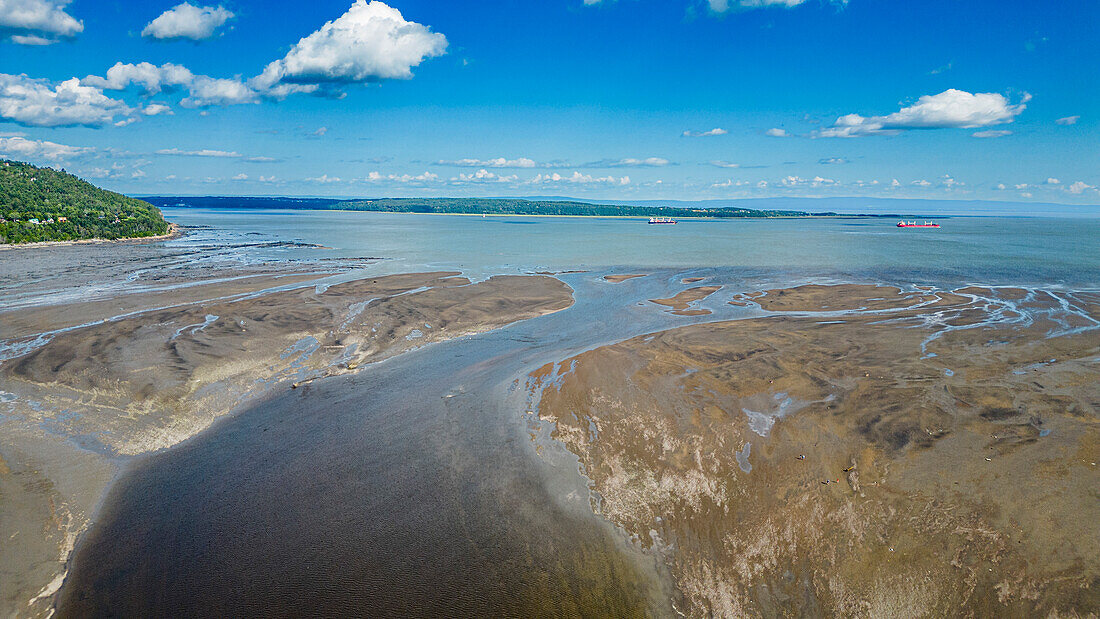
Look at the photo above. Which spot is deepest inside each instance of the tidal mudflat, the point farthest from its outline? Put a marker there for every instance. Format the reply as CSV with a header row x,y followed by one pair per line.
x,y
857,450
235,426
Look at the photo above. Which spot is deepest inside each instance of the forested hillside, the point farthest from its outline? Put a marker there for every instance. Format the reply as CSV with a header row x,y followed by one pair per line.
x,y
43,204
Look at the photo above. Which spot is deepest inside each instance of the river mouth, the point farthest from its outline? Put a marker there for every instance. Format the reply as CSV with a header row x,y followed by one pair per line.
x,y
419,486
411,488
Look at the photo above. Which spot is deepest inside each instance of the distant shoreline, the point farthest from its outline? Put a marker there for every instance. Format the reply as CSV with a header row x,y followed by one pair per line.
x,y
174,230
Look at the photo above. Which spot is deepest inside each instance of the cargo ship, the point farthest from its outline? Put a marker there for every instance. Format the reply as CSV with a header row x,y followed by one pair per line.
x,y
913,224
661,220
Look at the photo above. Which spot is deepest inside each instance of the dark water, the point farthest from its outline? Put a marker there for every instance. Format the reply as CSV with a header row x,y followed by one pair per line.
x,y
377,494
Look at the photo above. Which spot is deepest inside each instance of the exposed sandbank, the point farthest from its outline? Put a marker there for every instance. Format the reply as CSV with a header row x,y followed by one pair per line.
x,y
85,398
909,454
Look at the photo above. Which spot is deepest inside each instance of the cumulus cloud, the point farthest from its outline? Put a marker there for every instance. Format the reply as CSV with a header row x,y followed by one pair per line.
x,y
704,134
1068,120
18,147
151,78
991,133
484,176
207,91
206,152
425,177
40,103
724,164
833,160
203,91
324,179
578,179
1079,187
1052,181
499,162
369,43
37,22
949,109
156,109
776,132
187,21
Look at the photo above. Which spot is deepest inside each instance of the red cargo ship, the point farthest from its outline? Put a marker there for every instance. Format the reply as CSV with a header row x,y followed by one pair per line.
x,y
913,224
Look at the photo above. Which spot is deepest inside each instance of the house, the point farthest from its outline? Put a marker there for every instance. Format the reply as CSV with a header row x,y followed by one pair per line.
x,y
34,220
62,219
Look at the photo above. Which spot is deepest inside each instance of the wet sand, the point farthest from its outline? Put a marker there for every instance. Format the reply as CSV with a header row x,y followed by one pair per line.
x,y
618,279
147,371
682,302
857,451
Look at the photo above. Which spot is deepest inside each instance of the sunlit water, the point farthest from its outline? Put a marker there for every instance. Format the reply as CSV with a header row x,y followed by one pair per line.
x,y
966,249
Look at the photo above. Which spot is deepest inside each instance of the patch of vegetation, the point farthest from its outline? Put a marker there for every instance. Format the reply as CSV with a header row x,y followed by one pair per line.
x,y
43,204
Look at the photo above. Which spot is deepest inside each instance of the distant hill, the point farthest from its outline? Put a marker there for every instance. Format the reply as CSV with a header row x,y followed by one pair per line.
x,y
43,204
475,206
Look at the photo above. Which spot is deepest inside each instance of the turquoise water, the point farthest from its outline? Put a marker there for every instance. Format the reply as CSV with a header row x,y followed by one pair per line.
x,y
1000,251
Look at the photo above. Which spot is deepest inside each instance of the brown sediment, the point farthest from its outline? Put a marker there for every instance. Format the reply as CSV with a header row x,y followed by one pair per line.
x,y
883,482
681,302
616,279
145,382
22,322
691,280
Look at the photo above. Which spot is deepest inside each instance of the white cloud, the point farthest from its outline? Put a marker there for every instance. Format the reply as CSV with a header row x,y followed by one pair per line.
x,y
704,134
578,179
203,91
1052,181
991,133
241,177
833,160
151,78
31,39
921,183
1079,187
729,183
369,43
206,152
155,109
187,21
499,162
206,91
40,103
776,132
721,6
376,177
23,149
1068,120
949,109
724,164
485,176
324,179
266,179
38,22
630,162
797,181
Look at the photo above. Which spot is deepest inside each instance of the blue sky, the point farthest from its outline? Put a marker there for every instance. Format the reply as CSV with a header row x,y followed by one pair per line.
x,y
613,99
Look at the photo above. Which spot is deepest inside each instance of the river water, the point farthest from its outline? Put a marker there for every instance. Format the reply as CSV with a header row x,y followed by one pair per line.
x,y
414,488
